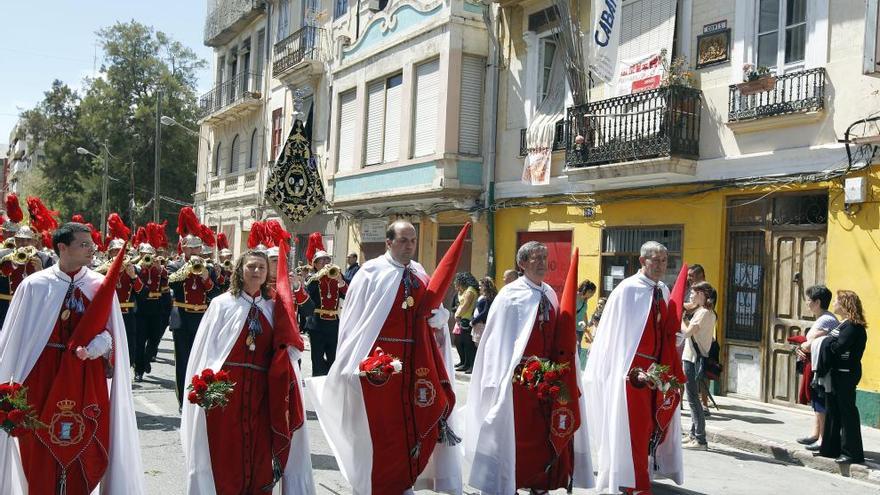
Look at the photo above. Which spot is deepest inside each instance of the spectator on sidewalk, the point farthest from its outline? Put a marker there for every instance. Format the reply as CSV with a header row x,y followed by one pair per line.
x,y
696,275
841,358
510,276
468,292
698,335
585,291
818,300
487,295
352,266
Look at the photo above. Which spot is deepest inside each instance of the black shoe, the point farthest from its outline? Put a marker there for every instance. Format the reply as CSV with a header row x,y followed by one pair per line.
x,y
845,459
459,367
814,447
706,412
148,369
807,440
138,377
468,371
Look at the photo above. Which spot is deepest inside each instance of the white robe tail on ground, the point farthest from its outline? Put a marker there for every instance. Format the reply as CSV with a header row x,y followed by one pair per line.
x,y
490,440
338,398
611,354
219,330
29,322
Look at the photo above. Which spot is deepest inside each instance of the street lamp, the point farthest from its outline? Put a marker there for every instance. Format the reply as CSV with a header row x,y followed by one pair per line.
x,y
106,159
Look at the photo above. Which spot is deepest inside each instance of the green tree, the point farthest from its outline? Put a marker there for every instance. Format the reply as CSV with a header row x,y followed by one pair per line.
x,y
117,109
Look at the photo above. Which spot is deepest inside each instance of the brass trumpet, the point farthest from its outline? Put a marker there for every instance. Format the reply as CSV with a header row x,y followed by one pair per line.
x,y
146,260
197,265
9,243
333,271
227,265
20,256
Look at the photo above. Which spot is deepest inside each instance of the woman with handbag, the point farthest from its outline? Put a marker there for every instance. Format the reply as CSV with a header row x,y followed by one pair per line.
x,y
698,333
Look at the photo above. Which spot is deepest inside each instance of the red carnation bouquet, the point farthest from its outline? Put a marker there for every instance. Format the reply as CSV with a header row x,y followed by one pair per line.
x,y
210,390
657,377
380,366
16,415
544,376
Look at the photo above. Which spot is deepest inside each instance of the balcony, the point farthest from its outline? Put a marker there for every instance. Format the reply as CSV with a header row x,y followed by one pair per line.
x,y
654,132
302,52
232,186
559,138
232,98
800,95
228,18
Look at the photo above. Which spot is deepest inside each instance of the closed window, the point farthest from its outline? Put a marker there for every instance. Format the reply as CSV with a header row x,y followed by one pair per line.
x,y
277,117
283,20
217,159
470,116
253,151
427,108
346,141
339,8
620,253
234,155
383,120
548,53
781,32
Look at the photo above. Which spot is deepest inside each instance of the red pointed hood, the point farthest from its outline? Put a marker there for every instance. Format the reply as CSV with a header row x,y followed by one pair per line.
x,y
13,209
286,328
94,320
566,324
676,302
444,273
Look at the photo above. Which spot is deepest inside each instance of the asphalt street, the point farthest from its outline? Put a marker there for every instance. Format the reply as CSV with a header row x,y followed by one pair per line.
x,y
719,471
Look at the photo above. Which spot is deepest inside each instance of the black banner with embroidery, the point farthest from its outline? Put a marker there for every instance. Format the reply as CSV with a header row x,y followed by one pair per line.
x,y
295,186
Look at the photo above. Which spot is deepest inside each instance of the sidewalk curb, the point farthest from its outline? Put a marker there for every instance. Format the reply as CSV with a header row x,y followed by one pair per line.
x,y
791,454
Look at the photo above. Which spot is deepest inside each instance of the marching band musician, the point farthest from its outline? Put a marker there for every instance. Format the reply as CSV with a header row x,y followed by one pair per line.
x,y
192,285
325,288
149,326
18,263
224,257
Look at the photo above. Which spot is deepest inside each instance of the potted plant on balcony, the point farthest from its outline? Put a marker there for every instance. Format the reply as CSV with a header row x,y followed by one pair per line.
x,y
677,73
756,80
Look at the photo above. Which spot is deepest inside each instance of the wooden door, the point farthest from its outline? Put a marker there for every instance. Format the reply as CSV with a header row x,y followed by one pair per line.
x,y
798,262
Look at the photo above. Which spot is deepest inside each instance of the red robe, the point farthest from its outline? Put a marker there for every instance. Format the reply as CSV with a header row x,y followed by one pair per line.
x,y
392,407
239,435
41,469
640,401
534,450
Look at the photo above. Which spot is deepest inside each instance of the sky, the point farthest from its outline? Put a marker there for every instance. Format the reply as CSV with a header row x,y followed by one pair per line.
x,y
55,39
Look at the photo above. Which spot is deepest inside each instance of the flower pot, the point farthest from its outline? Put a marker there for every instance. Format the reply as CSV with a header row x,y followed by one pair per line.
x,y
759,85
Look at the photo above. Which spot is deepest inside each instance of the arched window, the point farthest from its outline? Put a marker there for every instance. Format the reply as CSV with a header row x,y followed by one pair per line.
x,y
217,159
234,155
253,151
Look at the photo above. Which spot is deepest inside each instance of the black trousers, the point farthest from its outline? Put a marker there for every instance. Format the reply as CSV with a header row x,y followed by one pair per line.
x,y
843,435
467,350
130,334
323,337
183,342
149,330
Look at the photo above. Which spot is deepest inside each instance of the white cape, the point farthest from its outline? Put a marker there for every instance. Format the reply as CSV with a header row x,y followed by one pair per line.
x,y
490,441
338,398
29,323
613,349
220,328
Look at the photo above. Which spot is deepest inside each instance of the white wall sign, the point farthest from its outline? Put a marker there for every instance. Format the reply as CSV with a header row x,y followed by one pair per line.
x,y
373,230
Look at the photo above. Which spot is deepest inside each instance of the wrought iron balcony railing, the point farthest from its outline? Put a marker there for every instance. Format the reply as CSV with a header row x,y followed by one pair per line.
x,y
305,44
243,85
662,122
798,92
559,138
227,17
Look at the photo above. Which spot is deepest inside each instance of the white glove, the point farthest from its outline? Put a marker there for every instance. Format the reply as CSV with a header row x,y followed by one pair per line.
x,y
439,318
100,345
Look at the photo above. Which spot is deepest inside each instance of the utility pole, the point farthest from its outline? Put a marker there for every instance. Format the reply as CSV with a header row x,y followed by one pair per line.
x,y
106,156
158,155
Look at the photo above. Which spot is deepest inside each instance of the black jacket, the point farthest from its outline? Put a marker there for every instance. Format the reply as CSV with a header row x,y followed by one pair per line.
x,y
847,347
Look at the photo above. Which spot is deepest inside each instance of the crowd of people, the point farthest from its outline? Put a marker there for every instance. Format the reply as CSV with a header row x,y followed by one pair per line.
x,y
83,316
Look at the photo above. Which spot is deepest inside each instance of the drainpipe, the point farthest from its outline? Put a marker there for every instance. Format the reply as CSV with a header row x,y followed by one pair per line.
x,y
489,151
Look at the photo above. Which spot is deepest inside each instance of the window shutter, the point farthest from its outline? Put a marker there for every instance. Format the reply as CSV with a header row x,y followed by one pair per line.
x,y
471,111
234,155
375,122
393,105
347,114
427,108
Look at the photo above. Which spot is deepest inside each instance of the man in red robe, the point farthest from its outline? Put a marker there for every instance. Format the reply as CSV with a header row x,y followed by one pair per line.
x,y
637,330
398,430
43,318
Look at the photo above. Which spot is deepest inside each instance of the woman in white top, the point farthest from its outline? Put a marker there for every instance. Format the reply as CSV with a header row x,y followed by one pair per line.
x,y
698,334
